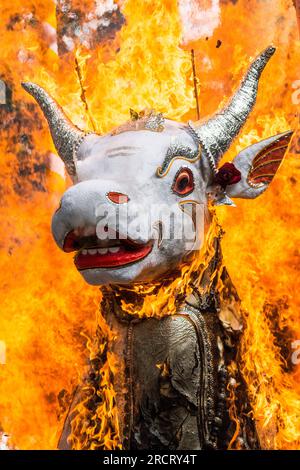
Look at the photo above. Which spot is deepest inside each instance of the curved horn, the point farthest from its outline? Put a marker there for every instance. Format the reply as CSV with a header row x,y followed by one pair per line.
x,y
66,137
217,133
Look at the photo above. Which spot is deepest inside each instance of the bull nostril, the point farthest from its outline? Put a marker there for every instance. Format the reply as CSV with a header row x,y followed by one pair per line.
x,y
117,198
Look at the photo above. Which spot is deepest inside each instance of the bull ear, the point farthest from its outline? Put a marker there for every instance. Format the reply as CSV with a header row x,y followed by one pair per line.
x,y
258,165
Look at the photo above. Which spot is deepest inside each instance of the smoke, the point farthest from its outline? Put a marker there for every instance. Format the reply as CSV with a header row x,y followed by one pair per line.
x,y
199,18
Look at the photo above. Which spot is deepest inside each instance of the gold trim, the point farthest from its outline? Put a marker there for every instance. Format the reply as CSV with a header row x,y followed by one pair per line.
x,y
270,151
266,163
267,175
179,157
261,183
193,202
189,201
254,185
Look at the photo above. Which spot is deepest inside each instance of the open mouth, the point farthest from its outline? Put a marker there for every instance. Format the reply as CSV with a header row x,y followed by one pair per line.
x,y
110,253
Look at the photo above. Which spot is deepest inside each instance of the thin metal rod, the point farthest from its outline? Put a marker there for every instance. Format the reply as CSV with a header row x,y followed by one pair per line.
x,y
297,6
82,96
195,84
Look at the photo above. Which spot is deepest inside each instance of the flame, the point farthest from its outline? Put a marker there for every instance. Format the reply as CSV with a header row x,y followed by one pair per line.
x,y
159,299
98,430
47,310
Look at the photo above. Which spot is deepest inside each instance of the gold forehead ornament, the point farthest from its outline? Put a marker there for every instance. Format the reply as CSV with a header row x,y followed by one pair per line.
x,y
146,120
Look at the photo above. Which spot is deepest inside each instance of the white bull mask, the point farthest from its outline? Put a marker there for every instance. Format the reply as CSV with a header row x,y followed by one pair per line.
x,y
138,206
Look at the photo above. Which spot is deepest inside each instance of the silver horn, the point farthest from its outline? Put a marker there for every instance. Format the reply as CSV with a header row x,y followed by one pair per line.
x,y
218,132
65,135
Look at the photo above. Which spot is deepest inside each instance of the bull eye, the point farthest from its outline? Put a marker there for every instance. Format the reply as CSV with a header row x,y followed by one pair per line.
x,y
183,182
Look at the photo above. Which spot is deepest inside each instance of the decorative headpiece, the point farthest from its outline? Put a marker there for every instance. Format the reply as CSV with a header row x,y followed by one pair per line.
x,y
147,120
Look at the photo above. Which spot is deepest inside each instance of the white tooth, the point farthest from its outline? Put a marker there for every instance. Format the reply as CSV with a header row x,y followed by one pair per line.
x,y
114,249
102,251
84,252
92,252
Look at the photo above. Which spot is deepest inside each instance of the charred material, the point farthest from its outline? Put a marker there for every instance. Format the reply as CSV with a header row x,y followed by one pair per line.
x,y
175,388
79,25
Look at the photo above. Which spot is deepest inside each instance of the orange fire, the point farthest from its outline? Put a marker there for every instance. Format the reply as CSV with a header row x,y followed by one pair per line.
x,y
47,311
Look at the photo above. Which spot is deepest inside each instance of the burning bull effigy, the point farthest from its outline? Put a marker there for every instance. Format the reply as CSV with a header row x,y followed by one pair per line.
x,y
175,386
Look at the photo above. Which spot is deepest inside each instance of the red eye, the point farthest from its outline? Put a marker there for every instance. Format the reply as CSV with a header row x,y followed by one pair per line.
x,y
183,182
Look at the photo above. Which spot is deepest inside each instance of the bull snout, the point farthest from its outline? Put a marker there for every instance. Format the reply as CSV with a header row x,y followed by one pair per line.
x,y
96,208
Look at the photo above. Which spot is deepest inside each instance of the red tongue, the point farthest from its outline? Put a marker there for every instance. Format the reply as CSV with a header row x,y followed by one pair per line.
x,y
110,260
